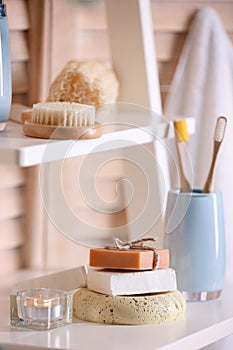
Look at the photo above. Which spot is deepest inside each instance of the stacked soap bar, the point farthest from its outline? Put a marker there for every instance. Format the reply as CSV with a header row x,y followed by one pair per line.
x,y
124,287
130,272
128,259
131,282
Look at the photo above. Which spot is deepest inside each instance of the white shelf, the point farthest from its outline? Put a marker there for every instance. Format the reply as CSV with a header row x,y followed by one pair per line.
x,y
16,148
204,323
129,125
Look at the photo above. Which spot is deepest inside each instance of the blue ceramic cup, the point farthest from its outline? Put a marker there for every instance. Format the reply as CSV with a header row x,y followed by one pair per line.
x,y
195,237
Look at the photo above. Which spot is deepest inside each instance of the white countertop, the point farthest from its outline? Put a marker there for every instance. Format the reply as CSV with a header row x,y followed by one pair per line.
x,y
204,323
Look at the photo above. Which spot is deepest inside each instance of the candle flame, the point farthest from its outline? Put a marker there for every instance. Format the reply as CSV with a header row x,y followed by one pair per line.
x,y
42,303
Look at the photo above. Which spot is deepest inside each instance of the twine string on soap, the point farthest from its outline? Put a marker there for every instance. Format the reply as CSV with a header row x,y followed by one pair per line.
x,y
139,244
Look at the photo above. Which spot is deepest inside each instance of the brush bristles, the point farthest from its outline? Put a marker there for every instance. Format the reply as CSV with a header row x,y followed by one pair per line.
x,y
182,130
220,129
63,114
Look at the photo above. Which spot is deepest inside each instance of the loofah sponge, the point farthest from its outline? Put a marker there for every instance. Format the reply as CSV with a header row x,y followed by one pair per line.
x,y
87,82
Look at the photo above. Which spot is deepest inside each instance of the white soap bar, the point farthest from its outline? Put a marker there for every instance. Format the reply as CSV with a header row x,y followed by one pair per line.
x,y
131,283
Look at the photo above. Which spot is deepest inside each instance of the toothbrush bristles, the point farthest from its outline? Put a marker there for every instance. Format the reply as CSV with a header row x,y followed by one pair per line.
x,y
220,129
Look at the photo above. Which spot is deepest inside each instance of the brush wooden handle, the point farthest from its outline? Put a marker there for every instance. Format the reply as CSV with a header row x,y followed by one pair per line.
x,y
209,184
61,132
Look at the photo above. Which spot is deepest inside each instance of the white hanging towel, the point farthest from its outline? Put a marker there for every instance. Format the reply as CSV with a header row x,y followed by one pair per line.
x,y
202,88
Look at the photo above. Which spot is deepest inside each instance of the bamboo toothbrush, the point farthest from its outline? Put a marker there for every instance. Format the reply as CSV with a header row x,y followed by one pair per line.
x,y
219,133
182,136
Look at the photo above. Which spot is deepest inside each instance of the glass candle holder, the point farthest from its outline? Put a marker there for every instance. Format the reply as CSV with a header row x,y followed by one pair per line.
x,y
42,308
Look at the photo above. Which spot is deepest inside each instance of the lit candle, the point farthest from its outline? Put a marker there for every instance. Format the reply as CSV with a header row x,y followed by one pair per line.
x,y
42,309
40,306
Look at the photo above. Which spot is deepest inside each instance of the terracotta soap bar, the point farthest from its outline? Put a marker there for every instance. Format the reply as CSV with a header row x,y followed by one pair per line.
x,y
127,259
